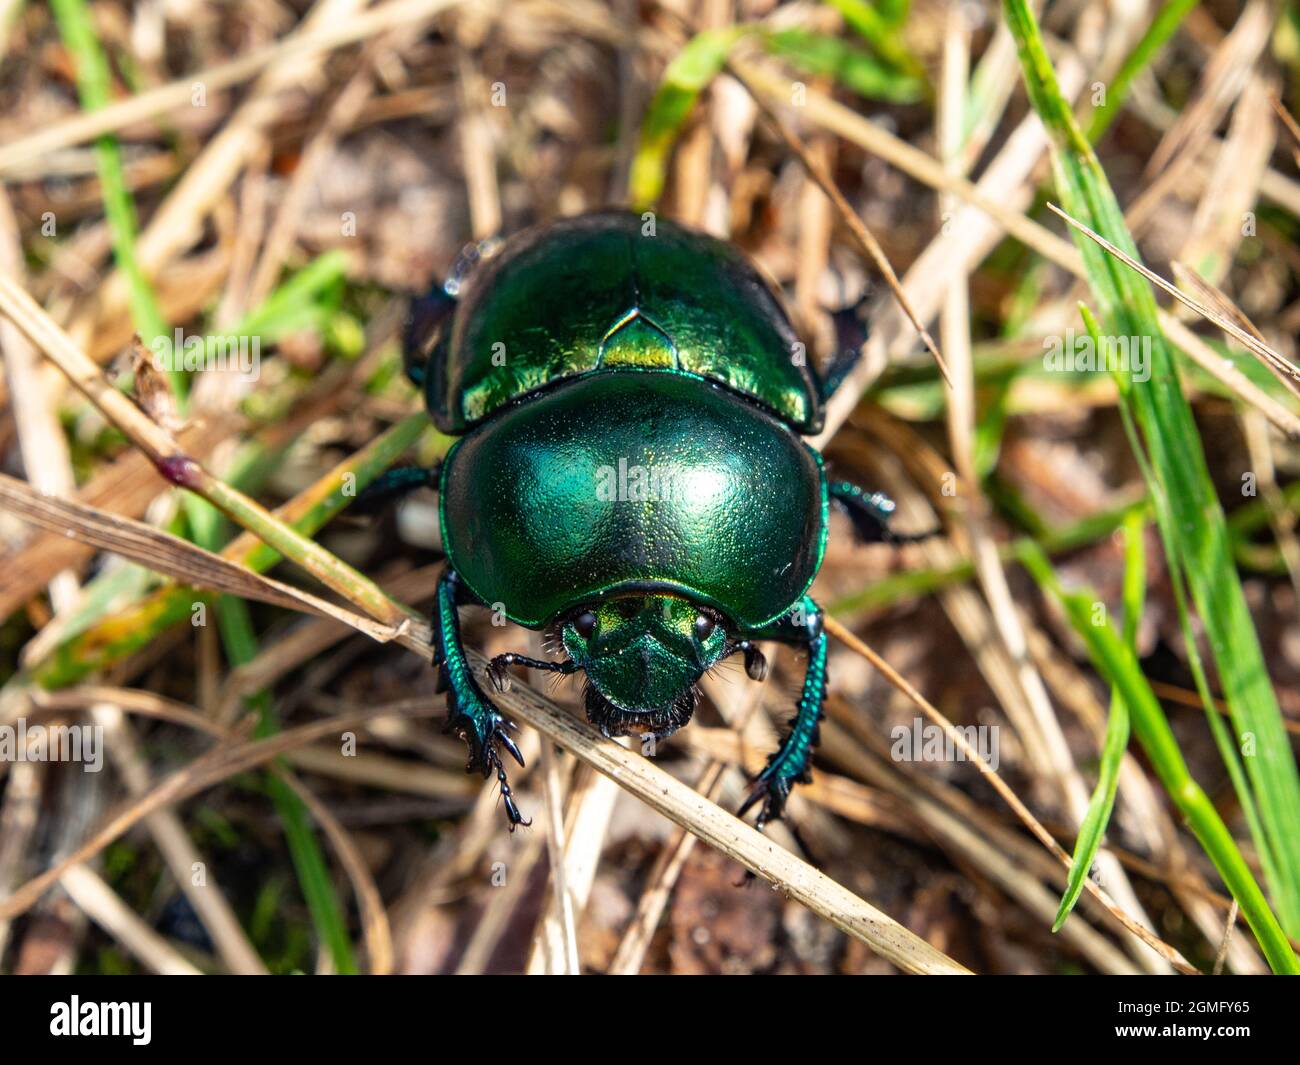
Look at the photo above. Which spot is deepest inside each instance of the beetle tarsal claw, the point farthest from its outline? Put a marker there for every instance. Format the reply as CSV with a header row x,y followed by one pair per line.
x,y
485,757
511,746
498,673
507,796
772,791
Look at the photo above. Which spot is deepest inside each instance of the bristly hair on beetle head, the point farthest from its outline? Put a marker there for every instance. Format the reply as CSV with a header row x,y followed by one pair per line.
x,y
615,721
553,639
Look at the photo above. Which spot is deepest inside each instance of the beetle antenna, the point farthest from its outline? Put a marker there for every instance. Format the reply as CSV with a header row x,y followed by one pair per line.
x,y
755,660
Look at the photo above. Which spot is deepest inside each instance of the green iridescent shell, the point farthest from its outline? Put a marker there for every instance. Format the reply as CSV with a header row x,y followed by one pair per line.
x,y
637,479
599,293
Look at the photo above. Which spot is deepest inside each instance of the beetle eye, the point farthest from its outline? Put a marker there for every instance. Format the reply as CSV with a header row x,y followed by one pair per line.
x,y
704,626
585,623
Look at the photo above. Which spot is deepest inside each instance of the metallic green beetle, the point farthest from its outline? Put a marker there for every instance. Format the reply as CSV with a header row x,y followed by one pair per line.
x,y
629,477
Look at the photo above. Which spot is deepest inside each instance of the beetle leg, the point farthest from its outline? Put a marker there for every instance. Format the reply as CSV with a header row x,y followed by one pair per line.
x,y
394,485
429,314
500,678
425,320
851,333
469,712
790,764
870,513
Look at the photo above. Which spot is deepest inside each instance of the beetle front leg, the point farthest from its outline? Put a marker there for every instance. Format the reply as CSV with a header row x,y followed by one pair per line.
x,y
790,764
429,316
500,677
425,320
470,713
870,513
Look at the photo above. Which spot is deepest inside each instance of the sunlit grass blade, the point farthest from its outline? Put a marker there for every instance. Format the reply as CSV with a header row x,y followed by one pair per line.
x,y
855,69
1115,661
910,584
881,31
1162,27
240,642
94,89
300,301
1193,523
1164,524
704,55
1102,802
689,73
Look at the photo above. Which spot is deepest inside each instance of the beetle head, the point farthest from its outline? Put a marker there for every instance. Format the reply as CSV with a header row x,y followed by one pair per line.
x,y
643,655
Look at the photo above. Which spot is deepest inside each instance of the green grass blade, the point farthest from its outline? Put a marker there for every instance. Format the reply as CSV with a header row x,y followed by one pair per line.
x,y
240,642
855,69
880,30
911,584
1162,27
685,77
701,60
301,302
1218,730
1115,660
1102,801
894,12
94,86
1193,523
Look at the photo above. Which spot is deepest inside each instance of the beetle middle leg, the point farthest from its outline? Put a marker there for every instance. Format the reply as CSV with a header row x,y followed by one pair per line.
x,y
870,513
469,712
394,485
790,764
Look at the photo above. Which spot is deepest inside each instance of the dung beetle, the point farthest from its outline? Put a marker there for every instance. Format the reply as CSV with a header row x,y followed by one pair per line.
x,y
629,398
